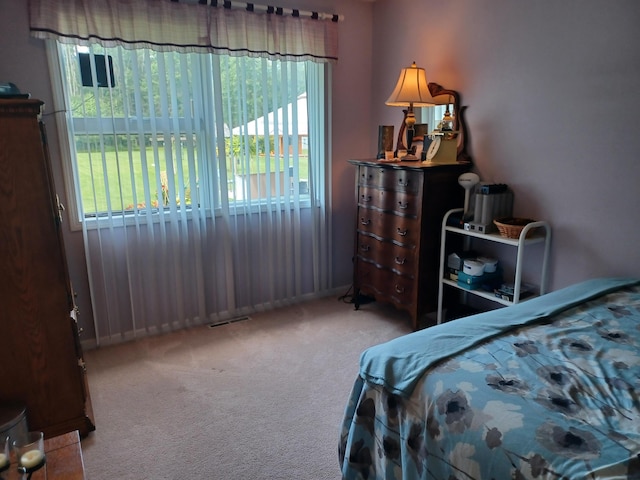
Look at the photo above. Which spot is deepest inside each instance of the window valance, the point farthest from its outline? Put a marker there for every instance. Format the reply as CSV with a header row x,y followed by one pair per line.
x,y
167,25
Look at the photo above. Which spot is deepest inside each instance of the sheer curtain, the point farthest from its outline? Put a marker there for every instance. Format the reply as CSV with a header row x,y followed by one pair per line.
x,y
199,181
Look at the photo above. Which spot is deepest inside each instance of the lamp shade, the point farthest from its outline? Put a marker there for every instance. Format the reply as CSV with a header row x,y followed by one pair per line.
x,y
412,89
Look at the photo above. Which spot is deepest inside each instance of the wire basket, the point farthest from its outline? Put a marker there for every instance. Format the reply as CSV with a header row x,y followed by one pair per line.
x,y
511,227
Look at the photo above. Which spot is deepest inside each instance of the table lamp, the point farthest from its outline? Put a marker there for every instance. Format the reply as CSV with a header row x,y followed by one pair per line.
x,y
411,91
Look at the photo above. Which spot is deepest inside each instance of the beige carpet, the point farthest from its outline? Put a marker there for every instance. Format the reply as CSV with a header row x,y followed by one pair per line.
x,y
257,399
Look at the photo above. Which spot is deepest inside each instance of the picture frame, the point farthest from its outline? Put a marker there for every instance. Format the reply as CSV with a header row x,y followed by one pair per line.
x,y
420,132
385,140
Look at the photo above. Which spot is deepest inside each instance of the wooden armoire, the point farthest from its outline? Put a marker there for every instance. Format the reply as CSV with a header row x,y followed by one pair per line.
x,y
41,363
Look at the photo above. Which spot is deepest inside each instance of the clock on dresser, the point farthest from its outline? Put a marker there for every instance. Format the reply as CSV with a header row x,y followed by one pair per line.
x,y
400,207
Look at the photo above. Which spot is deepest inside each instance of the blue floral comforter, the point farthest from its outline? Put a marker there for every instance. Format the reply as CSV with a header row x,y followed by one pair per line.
x,y
553,396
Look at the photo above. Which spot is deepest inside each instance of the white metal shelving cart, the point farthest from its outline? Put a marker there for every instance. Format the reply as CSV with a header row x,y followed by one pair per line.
x,y
518,243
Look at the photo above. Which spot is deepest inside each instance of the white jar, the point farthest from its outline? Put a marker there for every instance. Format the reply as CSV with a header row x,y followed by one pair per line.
x,y
473,268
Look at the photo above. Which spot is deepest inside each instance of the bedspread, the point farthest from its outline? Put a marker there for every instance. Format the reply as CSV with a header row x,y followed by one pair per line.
x,y
552,399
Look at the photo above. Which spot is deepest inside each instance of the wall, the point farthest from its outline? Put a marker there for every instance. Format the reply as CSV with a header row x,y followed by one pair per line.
x,y
23,62
551,90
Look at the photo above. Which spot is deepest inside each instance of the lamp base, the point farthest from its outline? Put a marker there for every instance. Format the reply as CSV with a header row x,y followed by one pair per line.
x,y
409,157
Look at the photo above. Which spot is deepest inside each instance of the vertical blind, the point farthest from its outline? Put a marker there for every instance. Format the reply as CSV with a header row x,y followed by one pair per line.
x,y
195,150
199,181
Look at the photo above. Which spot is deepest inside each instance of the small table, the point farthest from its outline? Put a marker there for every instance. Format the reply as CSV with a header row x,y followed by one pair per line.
x,y
64,460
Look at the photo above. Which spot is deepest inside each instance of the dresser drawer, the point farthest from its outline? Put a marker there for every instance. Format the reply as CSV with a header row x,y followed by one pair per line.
x,y
405,203
389,178
385,284
388,255
393,228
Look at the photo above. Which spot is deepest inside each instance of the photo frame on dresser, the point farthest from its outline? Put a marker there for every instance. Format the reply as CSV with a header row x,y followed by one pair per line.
x,y
420,131
385,140
426,143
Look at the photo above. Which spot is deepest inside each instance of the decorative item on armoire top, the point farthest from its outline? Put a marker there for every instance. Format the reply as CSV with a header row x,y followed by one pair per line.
x,y
411,91
10,90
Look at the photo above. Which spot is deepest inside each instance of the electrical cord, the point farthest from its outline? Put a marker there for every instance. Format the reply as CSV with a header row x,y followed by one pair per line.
x,y
347,297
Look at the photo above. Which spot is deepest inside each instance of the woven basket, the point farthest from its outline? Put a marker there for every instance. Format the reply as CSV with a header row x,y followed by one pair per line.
x,y
511,227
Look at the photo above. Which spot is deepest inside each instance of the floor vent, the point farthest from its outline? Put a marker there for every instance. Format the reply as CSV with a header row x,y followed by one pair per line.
x,y
231,320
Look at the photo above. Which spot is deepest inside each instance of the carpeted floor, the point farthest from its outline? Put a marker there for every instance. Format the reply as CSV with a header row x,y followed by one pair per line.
x,y
257,399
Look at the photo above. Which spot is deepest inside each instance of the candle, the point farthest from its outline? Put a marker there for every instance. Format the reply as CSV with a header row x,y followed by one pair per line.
x,y
31,459
3,460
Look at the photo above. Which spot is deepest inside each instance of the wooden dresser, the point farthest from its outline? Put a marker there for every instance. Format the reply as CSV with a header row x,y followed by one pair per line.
x,y
41,363
400,207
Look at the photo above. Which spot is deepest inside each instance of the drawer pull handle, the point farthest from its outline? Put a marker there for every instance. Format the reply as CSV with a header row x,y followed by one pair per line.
x,y
401,261
365,248
403,183
402,233
366,198
365,221
399,289
403,206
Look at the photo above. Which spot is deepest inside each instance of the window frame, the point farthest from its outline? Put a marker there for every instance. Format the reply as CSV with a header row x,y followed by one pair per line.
x,y
66,134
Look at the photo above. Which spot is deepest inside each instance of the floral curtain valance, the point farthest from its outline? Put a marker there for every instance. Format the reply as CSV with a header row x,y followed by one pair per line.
x,y
169,25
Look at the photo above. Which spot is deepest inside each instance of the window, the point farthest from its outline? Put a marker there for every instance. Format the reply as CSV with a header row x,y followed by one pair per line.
x,y
152,131
196,175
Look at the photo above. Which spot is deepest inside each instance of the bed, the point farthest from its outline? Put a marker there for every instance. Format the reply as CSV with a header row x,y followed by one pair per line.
x,y
545,389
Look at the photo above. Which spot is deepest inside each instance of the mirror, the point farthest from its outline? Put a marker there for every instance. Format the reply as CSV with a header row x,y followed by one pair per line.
x,y
458,114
